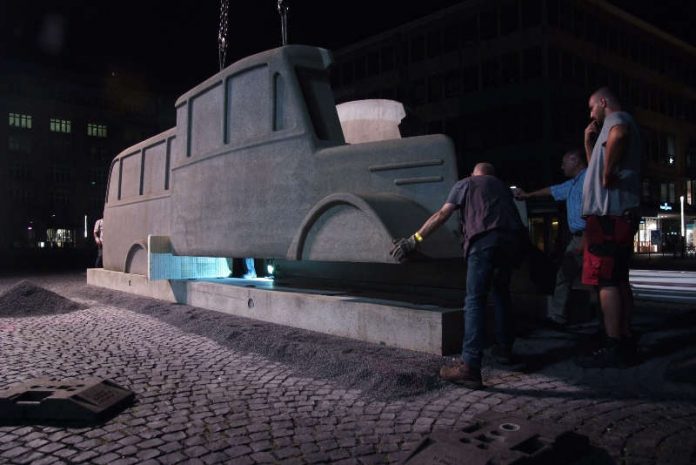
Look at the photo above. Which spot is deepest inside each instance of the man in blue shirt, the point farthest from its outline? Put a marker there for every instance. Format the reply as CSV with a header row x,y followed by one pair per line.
x,y
573,167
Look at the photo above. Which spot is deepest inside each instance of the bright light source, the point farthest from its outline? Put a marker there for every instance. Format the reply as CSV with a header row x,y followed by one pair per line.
x,y
85,226
555,223
513,187
29,228
270,269
42,245
681,201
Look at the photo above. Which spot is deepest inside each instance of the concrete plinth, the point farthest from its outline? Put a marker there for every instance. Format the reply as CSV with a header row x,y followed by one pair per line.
x,y
423,328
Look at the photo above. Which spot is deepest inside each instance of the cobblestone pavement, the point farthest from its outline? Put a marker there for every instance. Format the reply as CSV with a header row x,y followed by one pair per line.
x,y
200,402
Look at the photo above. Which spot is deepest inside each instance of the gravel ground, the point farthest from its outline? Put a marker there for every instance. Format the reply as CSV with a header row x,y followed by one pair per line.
x,y
378,371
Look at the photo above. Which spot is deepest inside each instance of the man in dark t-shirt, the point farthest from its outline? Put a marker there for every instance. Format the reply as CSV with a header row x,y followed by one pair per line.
x,y
493,240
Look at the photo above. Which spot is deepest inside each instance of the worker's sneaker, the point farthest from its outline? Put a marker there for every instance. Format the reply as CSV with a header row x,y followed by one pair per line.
x,y
461,373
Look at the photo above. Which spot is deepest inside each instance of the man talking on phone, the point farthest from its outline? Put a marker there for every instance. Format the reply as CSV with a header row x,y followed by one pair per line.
x,y
611,197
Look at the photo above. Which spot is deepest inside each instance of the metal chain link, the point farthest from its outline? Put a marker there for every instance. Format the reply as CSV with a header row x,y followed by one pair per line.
x,y
222,33
283,12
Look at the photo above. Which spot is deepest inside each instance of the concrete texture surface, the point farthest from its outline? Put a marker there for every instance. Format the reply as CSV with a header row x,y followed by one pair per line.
x,y
213,388
425,328
257,166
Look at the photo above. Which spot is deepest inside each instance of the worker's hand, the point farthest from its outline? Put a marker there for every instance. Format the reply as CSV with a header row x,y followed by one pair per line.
x,y
591,133
520,194
403,247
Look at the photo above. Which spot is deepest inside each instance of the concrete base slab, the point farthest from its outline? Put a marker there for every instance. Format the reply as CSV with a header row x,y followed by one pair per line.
x,y
423,328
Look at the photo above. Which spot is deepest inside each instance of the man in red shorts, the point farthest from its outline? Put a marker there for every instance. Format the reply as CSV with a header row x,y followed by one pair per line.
x,y
611,197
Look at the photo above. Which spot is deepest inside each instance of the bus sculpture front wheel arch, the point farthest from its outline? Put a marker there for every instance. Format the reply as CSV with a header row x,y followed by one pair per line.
x,y
353,227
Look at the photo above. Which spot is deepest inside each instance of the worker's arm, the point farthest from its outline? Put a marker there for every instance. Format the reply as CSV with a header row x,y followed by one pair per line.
x,y
591,133
520,194
403,247
617,141
436,220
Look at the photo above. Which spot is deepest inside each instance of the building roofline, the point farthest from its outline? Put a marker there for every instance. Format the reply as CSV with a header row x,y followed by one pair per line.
x,y
644,25
603,4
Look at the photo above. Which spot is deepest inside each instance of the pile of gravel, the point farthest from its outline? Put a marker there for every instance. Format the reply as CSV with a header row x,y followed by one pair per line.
x,y
380,372
27,299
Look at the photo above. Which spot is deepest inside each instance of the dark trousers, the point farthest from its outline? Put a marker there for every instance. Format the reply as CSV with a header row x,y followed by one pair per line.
x,y
487,270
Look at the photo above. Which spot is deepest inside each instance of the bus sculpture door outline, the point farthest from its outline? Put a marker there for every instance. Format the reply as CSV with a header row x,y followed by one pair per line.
x,y
257,166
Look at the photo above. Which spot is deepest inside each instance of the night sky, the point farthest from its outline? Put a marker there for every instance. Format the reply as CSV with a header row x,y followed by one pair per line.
x,y
172,45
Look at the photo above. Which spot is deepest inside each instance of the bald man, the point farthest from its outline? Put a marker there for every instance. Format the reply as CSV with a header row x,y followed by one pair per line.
x,y
611,198
493,241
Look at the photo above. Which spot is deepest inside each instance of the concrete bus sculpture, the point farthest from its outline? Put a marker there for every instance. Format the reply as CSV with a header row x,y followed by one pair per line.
x,y
257,166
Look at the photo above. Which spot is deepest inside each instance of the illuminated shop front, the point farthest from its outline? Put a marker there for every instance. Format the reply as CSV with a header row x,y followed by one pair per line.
x,y
667,230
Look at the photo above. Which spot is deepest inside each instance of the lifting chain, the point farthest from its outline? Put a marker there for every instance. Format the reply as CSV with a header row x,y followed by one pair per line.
x,y
283,12
222,33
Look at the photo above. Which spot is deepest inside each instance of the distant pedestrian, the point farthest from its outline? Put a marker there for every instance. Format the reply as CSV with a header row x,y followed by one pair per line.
x,y
611,198
573,167
98,234
493,233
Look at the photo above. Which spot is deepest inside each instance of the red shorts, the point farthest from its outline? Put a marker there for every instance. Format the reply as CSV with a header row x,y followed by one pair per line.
x,y
608,248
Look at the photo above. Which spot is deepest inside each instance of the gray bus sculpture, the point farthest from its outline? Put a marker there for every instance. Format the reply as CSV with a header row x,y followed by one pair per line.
x,y
257,166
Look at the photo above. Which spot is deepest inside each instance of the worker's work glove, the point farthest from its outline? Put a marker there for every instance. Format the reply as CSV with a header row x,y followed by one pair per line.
x,y
403,247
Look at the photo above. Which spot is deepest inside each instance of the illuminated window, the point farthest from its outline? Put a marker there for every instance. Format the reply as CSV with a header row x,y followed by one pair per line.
x,y
61,125
96,130
18,120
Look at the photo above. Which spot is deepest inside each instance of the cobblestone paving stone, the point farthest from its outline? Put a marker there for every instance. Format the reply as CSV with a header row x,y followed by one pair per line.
x,y
199,402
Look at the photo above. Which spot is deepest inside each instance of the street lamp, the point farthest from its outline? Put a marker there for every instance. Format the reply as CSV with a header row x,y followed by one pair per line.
x,y
681,201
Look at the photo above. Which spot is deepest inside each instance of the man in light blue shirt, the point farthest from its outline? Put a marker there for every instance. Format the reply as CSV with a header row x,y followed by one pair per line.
x,y
573,167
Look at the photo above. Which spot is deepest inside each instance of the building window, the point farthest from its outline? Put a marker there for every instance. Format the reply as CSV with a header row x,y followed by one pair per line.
x,y
96,130
488,24
510,68
360,68
509,18
15,143
490,73
532,63
646,189
531,13
670,150
667,193
434,44
387,57
453,83
690,191
435,88
61,125
450,41
691,154
417,49
18,120
418,92
373,64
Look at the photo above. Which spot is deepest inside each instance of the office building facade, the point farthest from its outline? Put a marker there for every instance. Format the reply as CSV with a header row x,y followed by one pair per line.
x,y
509,81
